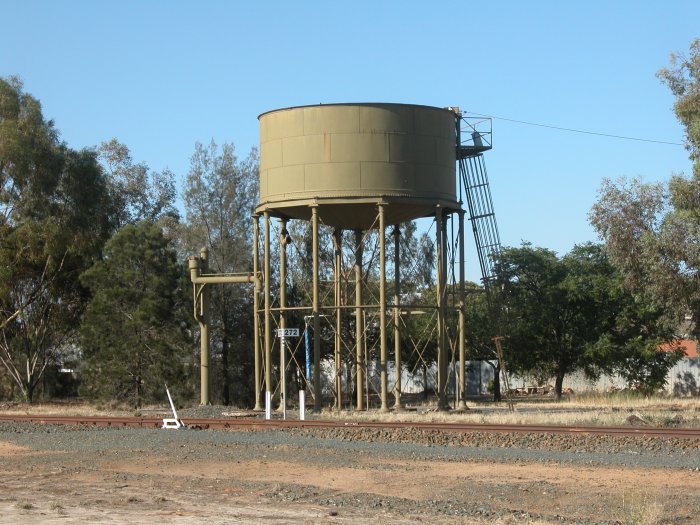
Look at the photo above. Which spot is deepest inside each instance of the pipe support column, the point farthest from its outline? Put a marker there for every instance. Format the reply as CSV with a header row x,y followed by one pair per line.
x,y
204,331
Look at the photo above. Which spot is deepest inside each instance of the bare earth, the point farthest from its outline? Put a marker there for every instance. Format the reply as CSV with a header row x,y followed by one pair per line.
x,y
178,485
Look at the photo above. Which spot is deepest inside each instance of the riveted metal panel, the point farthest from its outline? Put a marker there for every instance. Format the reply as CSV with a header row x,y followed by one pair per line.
x,y
270,154
281,124
433,123
331,119
289,179
338,176
424,150
395,119
382,178
348,147
439,185
445,152
306,149
400,149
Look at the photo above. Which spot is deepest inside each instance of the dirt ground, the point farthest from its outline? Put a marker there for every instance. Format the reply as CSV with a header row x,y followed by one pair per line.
x,y
183,483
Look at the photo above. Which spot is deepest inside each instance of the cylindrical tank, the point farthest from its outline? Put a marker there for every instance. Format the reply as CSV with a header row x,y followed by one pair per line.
x,y
347,158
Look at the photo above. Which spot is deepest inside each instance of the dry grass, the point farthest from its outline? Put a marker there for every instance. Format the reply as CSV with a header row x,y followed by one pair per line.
x,y
603,409
608,410
641,509
62,409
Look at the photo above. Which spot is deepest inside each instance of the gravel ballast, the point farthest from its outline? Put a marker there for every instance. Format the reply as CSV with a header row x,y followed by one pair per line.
x,y
100,453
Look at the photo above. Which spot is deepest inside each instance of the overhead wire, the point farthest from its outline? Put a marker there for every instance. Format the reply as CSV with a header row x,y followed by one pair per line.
x,y
572,130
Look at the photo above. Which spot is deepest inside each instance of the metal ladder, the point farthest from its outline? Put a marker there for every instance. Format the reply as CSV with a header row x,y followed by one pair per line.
x,y
473,138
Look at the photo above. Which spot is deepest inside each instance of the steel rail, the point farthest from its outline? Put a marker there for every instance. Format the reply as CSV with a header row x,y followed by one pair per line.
x,y
258,424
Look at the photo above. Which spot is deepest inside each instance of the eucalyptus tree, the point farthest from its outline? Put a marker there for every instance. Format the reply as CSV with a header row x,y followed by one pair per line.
x,y
572,313
137,193
220,194
55,215
652,230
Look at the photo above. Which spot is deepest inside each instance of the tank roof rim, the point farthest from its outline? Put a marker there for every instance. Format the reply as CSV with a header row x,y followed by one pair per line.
x,y
374,104
389,199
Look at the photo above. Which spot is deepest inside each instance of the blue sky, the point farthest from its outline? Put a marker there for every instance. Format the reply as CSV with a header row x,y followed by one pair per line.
x,y
161,75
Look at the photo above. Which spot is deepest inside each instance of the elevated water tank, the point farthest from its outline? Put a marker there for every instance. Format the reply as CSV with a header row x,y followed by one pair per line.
x,y
346,158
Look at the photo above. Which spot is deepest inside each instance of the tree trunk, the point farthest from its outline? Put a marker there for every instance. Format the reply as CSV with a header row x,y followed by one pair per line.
x,y
139,393
496,379
224,370
497,383
558,384
29,393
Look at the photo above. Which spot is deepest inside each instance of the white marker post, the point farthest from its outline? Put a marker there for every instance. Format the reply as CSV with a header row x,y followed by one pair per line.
x,y
302,404
283,373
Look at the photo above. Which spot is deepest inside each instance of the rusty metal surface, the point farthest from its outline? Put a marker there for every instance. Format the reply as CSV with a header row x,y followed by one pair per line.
x,y
258,424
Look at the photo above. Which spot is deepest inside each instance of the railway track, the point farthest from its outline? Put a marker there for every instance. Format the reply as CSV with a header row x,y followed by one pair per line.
x,y
259,424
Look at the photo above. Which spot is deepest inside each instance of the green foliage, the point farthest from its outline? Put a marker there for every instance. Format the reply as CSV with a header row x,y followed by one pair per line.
x,y
53,221
683,79
136,193
652,231
637,359
131,334
220,195
574,314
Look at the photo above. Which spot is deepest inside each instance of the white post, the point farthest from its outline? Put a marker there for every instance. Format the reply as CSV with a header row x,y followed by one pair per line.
x,y
302,405
283,376
268,399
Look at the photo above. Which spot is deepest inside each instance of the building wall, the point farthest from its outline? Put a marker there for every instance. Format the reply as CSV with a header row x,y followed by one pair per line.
x,y
682,380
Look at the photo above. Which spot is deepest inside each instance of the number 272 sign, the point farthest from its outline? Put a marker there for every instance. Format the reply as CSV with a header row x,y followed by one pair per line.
x,y
287,332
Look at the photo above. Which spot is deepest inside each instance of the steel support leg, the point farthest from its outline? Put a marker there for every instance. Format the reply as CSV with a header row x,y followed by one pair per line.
x,y
382,310
337,245
397,317
441,304
256,313
283,314
359,325
462,389
268,314
316,311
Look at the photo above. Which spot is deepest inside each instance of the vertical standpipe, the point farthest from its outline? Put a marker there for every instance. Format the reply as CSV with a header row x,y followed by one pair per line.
x,y
201,307
200,285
